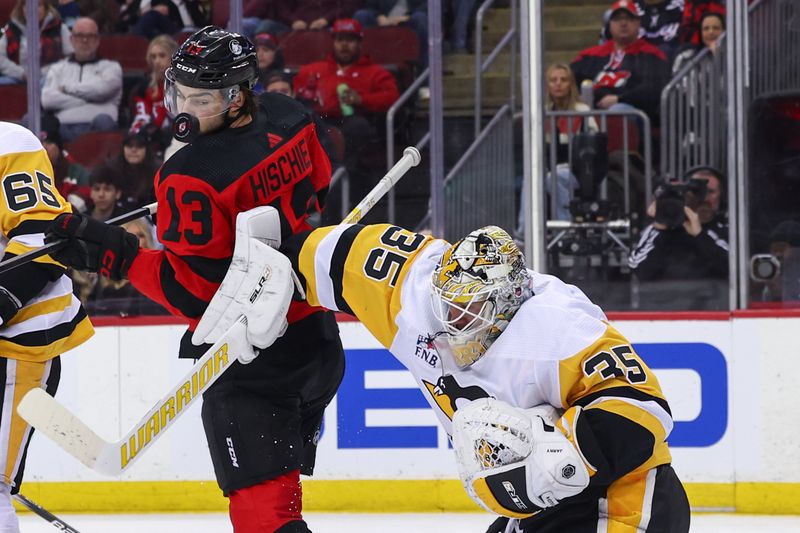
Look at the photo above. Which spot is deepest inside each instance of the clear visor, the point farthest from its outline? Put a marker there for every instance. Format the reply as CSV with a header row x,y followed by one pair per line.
x,y
195,101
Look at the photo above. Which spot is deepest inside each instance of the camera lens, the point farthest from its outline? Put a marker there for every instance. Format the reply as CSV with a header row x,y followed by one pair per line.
x,y
764,267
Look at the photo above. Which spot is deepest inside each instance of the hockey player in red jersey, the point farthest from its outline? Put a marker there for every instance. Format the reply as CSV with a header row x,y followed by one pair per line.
x,y
262,420
557,423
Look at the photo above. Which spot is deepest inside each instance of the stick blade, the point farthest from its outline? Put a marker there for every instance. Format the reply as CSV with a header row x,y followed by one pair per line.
x,y
44,413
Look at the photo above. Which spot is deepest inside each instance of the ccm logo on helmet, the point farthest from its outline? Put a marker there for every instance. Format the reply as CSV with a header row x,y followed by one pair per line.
x,y
184,68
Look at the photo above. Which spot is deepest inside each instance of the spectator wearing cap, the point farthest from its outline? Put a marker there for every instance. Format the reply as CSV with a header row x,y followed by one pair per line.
x,y
147,97
72,178
411,13
134,168
269,57
626,71
83,90
351,92
296,15
54,42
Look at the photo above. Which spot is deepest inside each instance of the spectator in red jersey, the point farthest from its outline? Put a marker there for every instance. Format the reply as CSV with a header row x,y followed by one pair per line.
x,y
294,15
147,97
54,42
352,93
693,13
626,71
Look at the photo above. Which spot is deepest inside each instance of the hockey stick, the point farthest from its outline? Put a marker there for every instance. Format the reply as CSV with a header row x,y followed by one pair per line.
x,y
27,257
37,509
411,158
43,412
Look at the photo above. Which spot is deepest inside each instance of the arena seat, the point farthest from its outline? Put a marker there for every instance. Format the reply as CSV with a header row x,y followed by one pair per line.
x,y
129,50
94,148
306,46
15,101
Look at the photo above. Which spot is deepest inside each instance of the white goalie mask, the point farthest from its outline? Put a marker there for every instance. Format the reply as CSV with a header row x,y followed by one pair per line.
x,y
477,287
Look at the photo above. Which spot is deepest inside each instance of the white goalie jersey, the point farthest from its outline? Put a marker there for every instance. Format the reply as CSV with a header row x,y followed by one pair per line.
x,y
558,349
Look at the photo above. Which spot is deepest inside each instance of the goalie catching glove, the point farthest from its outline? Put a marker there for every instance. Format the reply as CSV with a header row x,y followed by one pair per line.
x,y
515,462
259,285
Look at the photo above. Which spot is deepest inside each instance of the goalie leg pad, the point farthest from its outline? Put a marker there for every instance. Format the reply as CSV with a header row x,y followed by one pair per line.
x,y
512,462
268,506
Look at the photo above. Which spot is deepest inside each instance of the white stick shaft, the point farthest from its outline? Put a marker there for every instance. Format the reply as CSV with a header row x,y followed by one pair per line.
x,y
411,158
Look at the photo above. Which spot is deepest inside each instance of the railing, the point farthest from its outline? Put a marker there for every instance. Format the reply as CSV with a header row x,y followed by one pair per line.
x,y
693,115
479,190
774,47
481,66
694,103
626,147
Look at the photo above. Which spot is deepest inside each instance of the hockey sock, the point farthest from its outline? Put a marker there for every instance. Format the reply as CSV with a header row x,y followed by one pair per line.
x,y
8,517
268,506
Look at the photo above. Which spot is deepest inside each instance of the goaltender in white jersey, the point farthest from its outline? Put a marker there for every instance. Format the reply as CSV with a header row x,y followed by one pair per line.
x,y
556,422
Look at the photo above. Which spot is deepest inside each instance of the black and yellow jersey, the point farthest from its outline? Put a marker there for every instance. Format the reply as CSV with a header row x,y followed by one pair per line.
x,y
51,319
559,349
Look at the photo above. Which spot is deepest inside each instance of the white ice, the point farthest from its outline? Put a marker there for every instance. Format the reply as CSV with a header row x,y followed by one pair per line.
x,y
370,523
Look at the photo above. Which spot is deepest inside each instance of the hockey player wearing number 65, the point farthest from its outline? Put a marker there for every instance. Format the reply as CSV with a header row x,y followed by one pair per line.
x,y
262,420
40,318
556,422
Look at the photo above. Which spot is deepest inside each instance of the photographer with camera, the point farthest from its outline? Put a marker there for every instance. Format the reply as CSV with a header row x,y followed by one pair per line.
x,y
688,238
776,275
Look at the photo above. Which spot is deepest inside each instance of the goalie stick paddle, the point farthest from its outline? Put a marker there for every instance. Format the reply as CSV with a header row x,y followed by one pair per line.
x,y
48,416
27,257
37,509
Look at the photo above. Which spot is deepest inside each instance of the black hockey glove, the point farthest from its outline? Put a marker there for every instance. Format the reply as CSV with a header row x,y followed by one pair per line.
x,y
93,245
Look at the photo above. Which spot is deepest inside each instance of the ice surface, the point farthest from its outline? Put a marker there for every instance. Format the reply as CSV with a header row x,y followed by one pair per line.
x,y
369,523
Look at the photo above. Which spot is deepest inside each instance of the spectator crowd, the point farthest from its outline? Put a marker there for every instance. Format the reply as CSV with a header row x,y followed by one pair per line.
x,y
643,43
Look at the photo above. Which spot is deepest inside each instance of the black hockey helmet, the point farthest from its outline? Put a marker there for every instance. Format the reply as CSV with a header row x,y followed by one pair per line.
x,y
213,58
